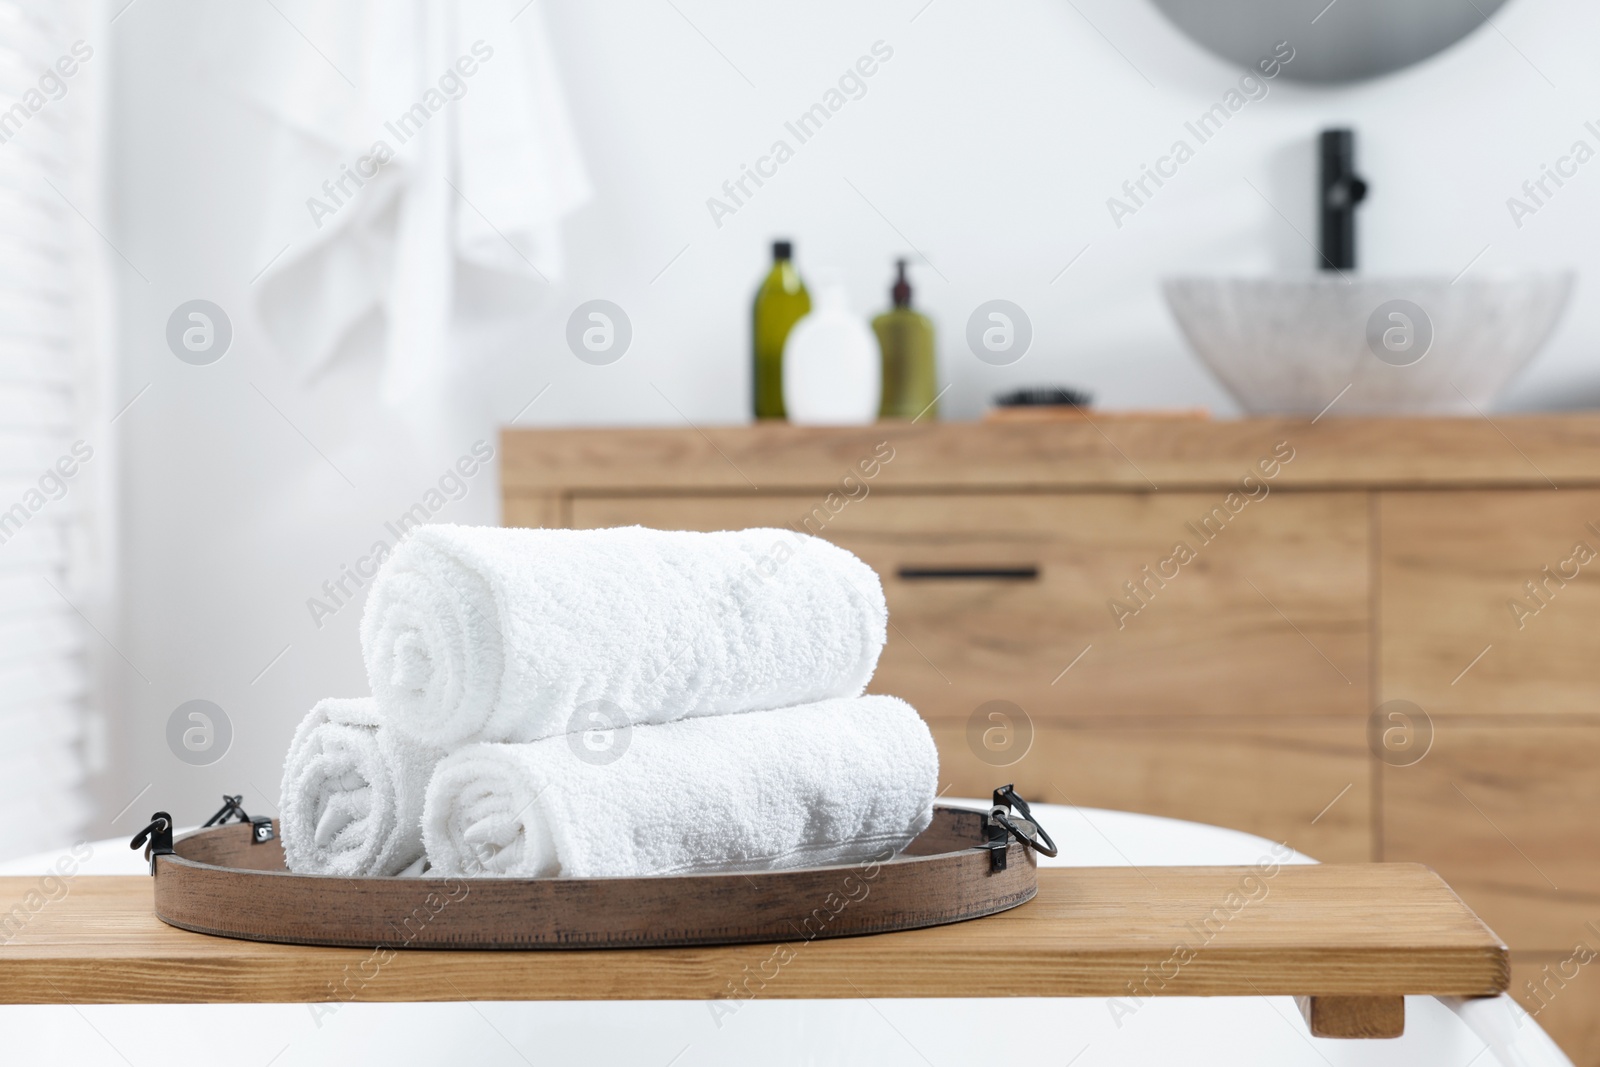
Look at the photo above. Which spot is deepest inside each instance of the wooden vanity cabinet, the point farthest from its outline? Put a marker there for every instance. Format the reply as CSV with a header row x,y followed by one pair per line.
x,y
1216,621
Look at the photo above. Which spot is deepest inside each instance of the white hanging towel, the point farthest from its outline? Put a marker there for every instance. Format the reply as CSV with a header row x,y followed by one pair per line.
x,y
413,137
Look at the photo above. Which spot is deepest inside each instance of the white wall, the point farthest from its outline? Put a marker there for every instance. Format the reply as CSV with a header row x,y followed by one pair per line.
x,y
990,142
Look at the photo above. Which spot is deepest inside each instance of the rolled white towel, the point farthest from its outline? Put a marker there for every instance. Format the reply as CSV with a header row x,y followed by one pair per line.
x,y
353,789
476,633
838,781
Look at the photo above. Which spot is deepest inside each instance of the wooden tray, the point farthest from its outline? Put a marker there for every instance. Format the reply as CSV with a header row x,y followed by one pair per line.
x,y
221,881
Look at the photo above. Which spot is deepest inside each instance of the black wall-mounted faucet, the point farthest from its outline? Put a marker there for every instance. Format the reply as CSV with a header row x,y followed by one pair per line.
x,y
1340,190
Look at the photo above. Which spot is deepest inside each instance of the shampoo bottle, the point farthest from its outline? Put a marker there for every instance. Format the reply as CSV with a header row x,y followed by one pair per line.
x,y
905,338
780,302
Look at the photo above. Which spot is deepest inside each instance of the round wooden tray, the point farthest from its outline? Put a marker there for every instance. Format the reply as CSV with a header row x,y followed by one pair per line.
x,y
220,881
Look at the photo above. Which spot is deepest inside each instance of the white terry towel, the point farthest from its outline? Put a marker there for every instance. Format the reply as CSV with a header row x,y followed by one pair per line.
x,y
839,781
353,789
476,633
420,149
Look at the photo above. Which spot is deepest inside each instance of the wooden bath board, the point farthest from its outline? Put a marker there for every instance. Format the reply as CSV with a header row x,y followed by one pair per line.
x,y
1351,941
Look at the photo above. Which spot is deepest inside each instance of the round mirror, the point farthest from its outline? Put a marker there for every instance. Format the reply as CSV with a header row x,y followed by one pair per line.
x,y
1337,41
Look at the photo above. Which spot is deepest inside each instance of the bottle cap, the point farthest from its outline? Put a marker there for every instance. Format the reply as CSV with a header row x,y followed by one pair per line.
x,y
782,250
901,293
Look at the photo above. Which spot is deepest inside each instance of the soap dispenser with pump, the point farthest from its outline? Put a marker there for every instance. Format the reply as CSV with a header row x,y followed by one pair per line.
x,y
905,340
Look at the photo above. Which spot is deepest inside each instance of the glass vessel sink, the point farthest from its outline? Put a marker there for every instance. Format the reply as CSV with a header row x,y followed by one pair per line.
x,y
1381,346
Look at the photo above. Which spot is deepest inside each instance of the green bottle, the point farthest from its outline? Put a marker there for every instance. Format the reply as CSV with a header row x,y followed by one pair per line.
x,y
781,302
905,336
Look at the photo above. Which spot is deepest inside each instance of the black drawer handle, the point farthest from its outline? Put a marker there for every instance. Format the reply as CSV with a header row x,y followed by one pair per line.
x,y
957,574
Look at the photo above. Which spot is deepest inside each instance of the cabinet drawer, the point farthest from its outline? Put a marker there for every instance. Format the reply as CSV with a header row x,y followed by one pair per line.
x,y
1505,812
1058,602
1461,633
1306,783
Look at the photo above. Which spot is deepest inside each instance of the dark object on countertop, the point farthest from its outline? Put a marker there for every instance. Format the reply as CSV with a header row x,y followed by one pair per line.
x,y
1054,403
1339,190
1044,396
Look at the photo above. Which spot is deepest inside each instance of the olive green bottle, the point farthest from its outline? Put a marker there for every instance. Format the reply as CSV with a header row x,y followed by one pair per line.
x,y
781,302
905,336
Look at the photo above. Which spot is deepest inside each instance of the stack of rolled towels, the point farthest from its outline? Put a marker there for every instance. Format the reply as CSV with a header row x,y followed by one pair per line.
x,y
622,702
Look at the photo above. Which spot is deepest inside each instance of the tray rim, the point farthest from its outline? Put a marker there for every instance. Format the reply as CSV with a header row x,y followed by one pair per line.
x,y
419,879
927,889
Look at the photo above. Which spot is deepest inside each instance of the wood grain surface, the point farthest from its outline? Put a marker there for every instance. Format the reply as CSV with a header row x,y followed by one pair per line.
x,y
1304,782
1137,454
1506,811
1354,1016
1331,930
1489,600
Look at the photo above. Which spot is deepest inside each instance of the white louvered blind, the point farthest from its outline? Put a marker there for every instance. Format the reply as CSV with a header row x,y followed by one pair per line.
x,y
50,580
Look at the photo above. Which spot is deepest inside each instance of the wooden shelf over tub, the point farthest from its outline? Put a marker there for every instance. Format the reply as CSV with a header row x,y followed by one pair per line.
x,y
1352,938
